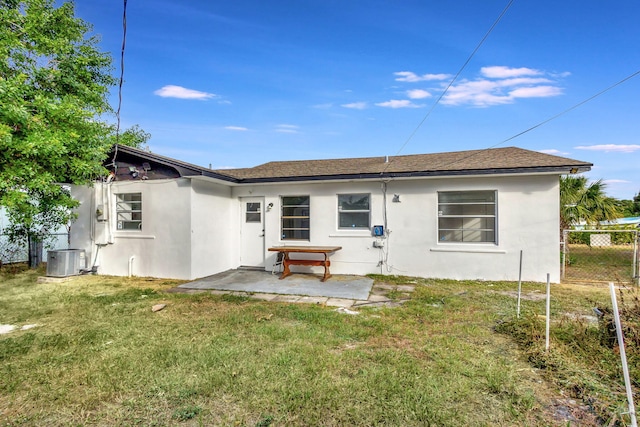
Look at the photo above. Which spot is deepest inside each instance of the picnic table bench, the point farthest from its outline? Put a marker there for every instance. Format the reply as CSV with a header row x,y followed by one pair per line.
x,y
287,261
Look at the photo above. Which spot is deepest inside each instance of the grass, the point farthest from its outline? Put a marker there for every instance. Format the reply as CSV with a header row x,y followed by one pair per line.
x,y
99,356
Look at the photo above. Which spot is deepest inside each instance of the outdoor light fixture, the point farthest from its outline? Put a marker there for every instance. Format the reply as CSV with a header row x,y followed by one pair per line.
x,y
396,198
573,170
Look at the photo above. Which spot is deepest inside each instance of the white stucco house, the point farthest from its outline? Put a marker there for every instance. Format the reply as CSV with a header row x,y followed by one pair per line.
x,y
458,215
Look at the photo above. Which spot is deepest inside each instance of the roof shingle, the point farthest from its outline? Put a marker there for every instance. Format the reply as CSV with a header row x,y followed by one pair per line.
x,y
510,158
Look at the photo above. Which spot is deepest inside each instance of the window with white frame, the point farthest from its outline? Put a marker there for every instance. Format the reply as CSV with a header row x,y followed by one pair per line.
x,y
295,218
467,216
354,211
129,211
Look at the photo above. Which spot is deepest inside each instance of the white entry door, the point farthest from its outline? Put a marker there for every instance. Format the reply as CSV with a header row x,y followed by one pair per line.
x,y
252,232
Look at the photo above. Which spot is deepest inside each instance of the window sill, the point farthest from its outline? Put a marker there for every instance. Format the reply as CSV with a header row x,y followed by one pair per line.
x,y
134,236
349,233
474,250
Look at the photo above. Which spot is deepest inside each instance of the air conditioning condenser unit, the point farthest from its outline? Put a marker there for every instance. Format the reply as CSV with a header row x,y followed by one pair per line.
x,y
65,262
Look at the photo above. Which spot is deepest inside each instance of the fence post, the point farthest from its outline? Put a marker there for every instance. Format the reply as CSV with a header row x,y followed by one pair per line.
x,y
546,341
519,286
636,270
35,251
565,236
623,356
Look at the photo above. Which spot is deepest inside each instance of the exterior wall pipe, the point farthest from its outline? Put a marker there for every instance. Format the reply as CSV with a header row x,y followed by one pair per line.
x,y
131,258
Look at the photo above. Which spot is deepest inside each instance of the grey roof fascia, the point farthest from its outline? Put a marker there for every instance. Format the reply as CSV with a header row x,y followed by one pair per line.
x,y
560,170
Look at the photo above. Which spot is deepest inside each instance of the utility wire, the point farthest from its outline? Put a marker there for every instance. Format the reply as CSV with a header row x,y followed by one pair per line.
x,y
424,119
570,109
121,81
579,104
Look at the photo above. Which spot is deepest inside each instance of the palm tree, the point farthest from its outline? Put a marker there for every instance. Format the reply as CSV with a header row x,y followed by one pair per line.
x,y
584,202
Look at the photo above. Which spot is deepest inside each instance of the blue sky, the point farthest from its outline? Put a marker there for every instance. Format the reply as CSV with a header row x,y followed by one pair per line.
x,y
239,83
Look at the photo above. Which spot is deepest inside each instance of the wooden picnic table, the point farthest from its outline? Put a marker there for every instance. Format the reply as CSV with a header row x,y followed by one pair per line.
x,y
287,261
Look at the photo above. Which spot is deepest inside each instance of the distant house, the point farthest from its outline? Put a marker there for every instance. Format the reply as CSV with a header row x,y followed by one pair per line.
x,y
458,215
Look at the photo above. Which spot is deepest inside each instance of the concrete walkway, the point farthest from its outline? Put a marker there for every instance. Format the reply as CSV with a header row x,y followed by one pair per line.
x,y
339,291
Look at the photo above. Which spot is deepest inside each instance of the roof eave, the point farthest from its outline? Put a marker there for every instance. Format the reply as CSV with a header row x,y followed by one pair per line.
x,y
559,170
185,170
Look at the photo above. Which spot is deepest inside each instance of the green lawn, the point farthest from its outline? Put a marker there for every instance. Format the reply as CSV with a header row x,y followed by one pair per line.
x,y
100,356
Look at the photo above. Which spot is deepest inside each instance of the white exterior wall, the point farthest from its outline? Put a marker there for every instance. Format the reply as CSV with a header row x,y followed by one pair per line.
x,y
191,228
214,229
527,220
187,229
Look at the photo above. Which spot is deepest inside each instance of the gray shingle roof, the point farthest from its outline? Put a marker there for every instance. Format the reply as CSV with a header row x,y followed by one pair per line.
x,y
498,160
473,162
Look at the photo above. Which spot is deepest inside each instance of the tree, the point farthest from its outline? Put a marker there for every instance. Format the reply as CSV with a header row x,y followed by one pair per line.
x,y
584,202
54,84
632,207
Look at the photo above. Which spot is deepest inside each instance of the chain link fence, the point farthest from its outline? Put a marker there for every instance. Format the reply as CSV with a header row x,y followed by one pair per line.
x,y
595,256
17,252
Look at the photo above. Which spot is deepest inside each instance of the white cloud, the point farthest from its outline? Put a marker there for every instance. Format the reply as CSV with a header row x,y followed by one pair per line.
x,y
504,87
418,94
238,128
616,181
554,152
495,85
287,128
536,92
610,147
502,72
172,91
398,103
356,105
409,76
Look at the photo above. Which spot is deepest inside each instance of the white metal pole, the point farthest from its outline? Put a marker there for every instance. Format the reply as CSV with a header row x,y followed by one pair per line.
x,y
623,356
565,238
546,343
636,271
519,285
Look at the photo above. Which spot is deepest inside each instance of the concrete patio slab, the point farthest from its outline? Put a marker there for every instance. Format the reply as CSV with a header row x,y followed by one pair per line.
x,y
338,286
340,302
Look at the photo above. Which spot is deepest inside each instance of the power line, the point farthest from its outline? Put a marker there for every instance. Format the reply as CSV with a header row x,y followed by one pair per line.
x,y
121,82
424,119
569,109
579,104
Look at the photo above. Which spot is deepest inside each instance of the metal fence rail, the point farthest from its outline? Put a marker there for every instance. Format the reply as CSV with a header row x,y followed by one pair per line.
x,y
600,256
14,252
